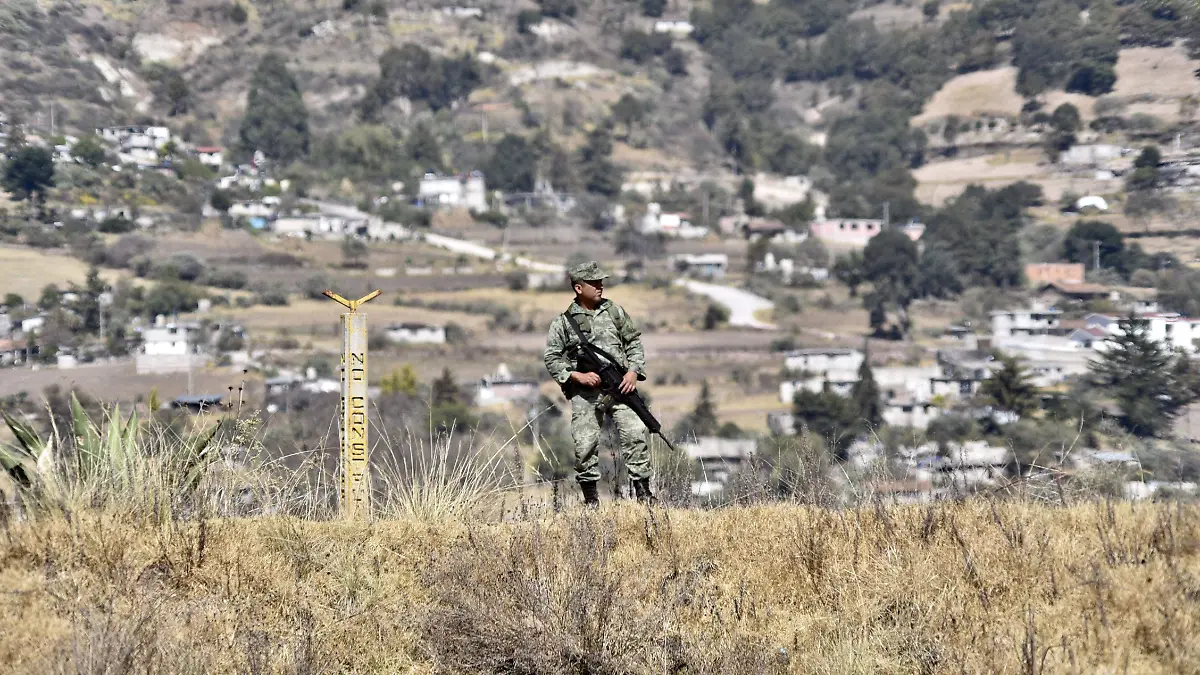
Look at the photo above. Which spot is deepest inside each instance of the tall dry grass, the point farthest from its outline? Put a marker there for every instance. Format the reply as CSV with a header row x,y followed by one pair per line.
x,y
246,573
954,587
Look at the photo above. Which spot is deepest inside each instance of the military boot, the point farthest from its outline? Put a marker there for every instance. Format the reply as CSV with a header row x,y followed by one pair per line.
x,y
641,490
591,494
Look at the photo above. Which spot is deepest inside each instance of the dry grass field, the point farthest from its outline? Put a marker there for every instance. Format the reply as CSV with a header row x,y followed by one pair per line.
x,y
940,181
986,91
25,271
1151,80
975,587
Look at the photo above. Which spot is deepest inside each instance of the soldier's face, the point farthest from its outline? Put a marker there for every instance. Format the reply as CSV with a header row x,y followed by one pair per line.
x,y
590,291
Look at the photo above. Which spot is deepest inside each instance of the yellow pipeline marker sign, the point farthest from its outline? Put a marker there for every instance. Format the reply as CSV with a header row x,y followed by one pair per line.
x,y
352,432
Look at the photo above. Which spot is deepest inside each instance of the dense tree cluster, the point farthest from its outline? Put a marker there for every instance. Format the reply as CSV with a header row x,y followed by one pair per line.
x,y
412,72
276,121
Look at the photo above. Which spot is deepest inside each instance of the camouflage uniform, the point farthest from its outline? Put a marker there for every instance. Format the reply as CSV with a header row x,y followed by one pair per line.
x,y
610,328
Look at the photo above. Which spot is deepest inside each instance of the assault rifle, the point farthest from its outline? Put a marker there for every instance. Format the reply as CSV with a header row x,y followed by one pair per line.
x,y
593,359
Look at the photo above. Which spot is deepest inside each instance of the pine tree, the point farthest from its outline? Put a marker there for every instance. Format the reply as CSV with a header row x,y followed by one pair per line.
x,y
865,395
276,120
702,420
1149,382
445,390
1009,389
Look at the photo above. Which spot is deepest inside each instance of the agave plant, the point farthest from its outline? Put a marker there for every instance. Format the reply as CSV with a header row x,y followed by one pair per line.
x,y
109,462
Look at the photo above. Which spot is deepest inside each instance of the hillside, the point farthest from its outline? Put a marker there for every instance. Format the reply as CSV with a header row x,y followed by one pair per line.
x,y
973,587
823,89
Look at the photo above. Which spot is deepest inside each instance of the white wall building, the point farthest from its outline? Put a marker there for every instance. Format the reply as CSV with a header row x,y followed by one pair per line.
x,y
718,458
670,224
210,156
1037,320
677,27
416,333
501,388
468,192
821,359
169,348
1175,330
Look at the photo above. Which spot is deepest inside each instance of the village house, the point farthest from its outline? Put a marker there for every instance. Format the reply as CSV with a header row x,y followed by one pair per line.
x,y
971,465
469,191
822,359
1037,274
251,209
129,137
908,412
416,333
706,265
459,12
670,224
1069,294
1039,319
718,459
1091,155
855,232
502,388
758,228
169,348
676,27
210,156
1174,330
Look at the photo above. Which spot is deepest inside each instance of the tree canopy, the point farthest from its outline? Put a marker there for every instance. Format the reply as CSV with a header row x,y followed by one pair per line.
x,y
276,120
29,173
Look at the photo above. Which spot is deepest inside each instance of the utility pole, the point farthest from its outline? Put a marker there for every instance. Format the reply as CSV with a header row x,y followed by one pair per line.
x,y
886,214
1096,245
484,126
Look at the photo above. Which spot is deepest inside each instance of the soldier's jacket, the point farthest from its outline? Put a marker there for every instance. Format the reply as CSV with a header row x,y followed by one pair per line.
x,y
609,327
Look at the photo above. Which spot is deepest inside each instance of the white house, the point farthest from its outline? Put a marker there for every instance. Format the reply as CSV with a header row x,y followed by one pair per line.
x,y
709,265
677,27
129,137
463,12
1037,320
33,324
501,388
1174,330
909,412
416,333
718,458
250,209
1090,155
169,348
670,224
210,156
821,359
168,340
468,191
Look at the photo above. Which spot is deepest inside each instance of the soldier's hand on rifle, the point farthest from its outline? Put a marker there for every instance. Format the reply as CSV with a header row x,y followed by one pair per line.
x,y
629,382
587,379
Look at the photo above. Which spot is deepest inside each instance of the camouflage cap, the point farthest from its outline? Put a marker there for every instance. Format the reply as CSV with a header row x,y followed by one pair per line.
x,y
588,271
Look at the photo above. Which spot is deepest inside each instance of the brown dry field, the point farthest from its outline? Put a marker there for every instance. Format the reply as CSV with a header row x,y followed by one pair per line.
x,y
974,587
1162,75
25,271
118,382
943,180
986,91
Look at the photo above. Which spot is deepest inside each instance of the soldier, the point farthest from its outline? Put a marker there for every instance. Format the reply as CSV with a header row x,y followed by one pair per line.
x,y
606,325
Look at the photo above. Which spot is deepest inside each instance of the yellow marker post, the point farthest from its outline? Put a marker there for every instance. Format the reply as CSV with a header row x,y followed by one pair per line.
x,y
355,489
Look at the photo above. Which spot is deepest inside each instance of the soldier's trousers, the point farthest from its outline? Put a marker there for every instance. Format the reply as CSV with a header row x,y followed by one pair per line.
x,y
587,417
